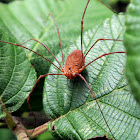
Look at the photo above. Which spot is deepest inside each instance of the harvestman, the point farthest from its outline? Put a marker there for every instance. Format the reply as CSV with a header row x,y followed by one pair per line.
x,y
75,62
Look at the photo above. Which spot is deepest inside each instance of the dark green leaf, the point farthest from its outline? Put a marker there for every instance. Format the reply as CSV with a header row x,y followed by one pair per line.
x,y
70,103
17,77
132,43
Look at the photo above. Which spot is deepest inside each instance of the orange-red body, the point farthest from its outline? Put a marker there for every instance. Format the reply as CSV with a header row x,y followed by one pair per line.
x,y
74,64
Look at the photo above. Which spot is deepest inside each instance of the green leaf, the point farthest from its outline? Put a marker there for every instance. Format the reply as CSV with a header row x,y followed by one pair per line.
x,y
70,103
132,43
17,77
27,19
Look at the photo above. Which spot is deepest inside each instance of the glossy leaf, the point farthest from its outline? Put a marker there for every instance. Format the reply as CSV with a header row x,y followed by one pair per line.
x,y
17,77
132,43
70,103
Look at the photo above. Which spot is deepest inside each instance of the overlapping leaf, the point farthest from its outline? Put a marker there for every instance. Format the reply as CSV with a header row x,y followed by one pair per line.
x,y
17,77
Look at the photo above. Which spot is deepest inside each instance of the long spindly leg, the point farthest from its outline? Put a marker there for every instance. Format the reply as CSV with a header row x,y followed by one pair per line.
x,y
96,102
58,33
31,51
101,56
45,47
101,39
41,76
108,7
82,21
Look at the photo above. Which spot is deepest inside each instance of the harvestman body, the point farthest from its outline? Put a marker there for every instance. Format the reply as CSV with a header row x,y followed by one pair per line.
x,y
74,64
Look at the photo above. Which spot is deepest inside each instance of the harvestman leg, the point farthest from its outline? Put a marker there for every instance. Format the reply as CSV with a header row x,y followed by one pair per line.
x,y
31,51
47,47
58,36
88,84
102,39
92,91
96,102
82,21
41,76
95,60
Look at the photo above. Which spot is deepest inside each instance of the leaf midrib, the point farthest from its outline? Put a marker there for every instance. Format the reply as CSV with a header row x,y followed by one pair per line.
x,y
13,69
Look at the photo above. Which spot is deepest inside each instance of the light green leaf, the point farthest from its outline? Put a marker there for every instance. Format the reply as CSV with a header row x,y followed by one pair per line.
x,y
17,77
70,103
27,19
132,44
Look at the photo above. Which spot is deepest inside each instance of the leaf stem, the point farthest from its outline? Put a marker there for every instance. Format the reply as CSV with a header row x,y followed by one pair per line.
x,y
8,118
39,130
13,124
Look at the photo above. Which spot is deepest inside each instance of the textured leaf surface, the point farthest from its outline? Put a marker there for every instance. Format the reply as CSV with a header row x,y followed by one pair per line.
x,y
70,103
17,77
28,19
132,43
